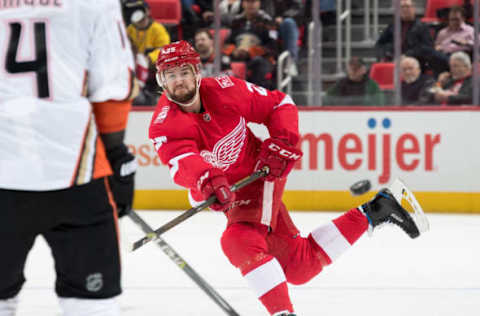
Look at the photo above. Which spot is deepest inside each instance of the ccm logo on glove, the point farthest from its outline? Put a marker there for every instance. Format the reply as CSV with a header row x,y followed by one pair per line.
x,y
278,156
284,152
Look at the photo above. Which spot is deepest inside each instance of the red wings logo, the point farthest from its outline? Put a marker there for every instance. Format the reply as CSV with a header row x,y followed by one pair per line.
x,y
162,115
226,150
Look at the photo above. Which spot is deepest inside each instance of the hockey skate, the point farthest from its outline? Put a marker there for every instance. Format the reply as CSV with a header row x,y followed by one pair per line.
x,y
386,207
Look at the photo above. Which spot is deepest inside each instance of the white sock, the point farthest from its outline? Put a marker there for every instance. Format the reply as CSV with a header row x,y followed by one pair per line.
x,y
331,240
8,306
89,307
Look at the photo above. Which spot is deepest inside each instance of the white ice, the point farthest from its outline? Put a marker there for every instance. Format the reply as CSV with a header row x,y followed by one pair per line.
x,y
437,274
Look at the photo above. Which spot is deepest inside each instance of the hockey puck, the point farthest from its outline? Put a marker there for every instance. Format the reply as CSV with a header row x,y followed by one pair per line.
x,y
360,187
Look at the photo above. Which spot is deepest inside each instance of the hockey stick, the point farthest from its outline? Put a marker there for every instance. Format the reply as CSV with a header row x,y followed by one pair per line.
x,y
194,210
182,264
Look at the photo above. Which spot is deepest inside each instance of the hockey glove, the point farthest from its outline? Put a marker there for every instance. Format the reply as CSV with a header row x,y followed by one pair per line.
x,y
214,182
122,182
278,156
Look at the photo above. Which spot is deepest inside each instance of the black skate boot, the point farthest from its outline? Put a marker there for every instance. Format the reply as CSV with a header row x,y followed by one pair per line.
x,y
285,314
384,208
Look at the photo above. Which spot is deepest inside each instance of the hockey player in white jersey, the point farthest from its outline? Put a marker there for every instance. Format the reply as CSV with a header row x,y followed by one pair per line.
x,y
66,83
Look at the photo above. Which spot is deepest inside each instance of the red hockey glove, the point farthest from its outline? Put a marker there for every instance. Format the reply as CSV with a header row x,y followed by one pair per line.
x,y
214,182
278,156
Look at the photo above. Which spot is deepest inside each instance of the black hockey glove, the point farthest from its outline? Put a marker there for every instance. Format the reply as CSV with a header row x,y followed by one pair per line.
x,y
122,182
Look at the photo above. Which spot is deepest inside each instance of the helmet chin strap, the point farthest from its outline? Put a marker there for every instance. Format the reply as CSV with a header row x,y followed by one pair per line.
x,y
161,82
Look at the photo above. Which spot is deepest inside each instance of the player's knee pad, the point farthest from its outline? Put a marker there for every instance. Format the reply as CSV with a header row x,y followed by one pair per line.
x,y
73,306
244,245
8,306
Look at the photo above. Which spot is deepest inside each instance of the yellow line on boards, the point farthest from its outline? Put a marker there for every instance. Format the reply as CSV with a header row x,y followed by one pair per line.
x,y
441,202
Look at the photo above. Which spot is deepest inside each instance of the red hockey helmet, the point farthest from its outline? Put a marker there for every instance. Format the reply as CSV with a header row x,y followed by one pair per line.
x,y
177,54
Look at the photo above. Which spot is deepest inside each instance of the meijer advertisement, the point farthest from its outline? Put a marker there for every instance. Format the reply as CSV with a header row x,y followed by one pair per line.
x,y
433,150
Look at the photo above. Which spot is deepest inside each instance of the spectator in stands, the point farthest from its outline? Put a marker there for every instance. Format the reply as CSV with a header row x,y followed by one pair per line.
x,y
146,34
196,14
356,89
128,7
204,44
287,14
415,36
228,10
252,41
415,85
147,37
455,87
456,36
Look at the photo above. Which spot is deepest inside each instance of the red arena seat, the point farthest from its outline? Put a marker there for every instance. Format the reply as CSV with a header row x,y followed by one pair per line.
x,y
382,73
432,6
239,69
168,12
224,33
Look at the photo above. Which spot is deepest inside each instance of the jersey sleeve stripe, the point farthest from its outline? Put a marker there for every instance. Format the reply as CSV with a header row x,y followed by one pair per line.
x,y
101,165
286,100
79,158
87,156
173,163
192,201
84,84
267,203
133,87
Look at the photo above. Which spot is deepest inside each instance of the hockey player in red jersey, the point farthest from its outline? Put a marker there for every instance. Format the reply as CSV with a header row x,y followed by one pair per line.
x,y
199,129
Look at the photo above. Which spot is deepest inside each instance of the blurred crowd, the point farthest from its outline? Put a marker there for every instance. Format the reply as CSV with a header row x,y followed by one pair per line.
x,y
435,67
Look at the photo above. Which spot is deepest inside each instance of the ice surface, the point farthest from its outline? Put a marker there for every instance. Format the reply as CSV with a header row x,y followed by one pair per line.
x,y
388,274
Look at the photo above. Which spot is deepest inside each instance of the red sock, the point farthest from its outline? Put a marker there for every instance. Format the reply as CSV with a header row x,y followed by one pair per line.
x,y
337,236
352,225
277,299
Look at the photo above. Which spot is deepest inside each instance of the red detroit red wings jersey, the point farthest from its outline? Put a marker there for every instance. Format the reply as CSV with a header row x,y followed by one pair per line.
x,y
192,143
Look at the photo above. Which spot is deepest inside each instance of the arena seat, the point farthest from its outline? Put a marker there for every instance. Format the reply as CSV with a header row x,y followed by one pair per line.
x,y
224,33
168,12
239,69
432,6
382,73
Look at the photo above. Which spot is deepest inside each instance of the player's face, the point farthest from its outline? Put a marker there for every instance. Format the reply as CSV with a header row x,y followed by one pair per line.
x,y
180,83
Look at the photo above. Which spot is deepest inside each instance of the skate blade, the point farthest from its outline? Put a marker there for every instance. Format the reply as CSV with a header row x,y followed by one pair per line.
x,y
400,192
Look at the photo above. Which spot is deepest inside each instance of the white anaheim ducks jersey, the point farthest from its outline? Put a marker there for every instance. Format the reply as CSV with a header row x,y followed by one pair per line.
x,y
50,51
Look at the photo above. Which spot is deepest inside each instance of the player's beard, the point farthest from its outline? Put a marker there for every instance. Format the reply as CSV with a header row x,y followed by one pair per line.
x,y
183,97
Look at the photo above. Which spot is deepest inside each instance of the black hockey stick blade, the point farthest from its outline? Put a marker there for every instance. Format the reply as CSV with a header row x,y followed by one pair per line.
x,y
194,210
182,264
